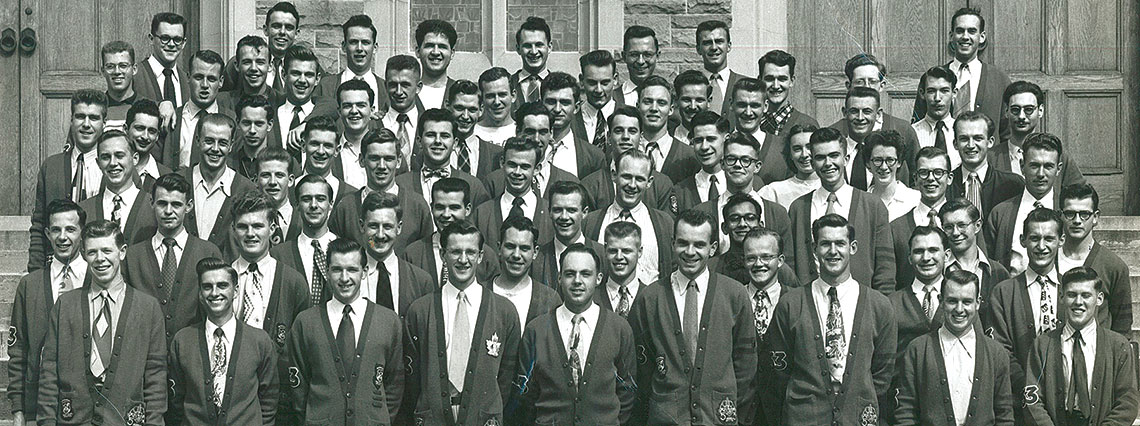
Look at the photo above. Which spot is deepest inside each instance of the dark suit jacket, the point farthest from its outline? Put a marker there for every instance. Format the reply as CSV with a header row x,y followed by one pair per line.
x,y
421,255
600,186
901,228
414,283
149,86
491,366
143,271
516,88
997,186
873,264
489,219
998,230
1012,324
170,147
544,270
910,142
220,234
1113,399
662,224
411,182
137,370
1116,313
147,183
141,223
924,396
773,166
31,317
681,162
53,182
988,101
251,388
590,158
726,107
1070,172
496,182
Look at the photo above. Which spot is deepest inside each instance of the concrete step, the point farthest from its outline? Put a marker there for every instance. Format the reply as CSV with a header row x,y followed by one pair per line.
x,y
14,233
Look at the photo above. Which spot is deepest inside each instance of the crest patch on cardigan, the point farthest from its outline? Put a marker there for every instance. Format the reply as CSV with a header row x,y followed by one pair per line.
x,y
12,335
137,415
870,416
661,365
280,335
726,411
378,378
494,346
66,411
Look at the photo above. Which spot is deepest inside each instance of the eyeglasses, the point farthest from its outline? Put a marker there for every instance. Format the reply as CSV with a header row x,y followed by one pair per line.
x,y
742,161
764,258
122,66
1072,214
1015,110
736,218
880,161
937,173
165,39
640,56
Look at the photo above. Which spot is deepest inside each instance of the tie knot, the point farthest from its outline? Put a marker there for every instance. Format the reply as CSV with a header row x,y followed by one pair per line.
x,y
219,333
117,199
461,297
715,77
831,197
652,146
712,179
103,294
401,118
168,72
1077,336
437,173
316,245
347,309
252,268
692,285
832,292
623,290
517,202
940,125
973,176
577,319
297,109
1038,205
625,214
169,242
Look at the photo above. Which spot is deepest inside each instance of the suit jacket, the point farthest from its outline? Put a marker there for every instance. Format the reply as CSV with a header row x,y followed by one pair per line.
x,y
220,234
590,158
543,300
53,182
345,218
726,107
516,88
873,264
496,182
149,86
600,186
773,164
1113,398
673,385
141,223
490,369
662,224
901,228
1012,324
998,230
1070,173
544,270
137,370
31,316
375,375
681,162
606,388
488,217
805,383
988,100
251,388
170,147
180,305
997,186
421,254
1116,313
924,397
411,182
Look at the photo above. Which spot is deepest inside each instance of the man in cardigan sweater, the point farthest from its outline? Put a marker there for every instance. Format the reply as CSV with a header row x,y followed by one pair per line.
x,y
1080,211
576,363
917,308
962,222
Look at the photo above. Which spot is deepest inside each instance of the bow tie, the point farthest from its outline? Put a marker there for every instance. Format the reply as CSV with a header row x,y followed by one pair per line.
x,y
437,173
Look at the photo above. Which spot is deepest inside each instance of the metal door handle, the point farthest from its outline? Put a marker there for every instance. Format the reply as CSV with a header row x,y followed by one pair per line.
x,y
7,42
28,41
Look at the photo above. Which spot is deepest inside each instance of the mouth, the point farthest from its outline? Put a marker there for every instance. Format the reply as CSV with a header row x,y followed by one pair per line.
x,y
101,267
533,58
213,156
345,286
114,173
577,292
630,191
359,57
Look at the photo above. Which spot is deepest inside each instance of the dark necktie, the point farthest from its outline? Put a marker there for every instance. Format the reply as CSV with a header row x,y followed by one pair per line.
x,y
168,89
169,266
220,364
625,215
575,356
1038,205
600,130
463,156
278,233
714,193
77,181
836,345
318,283
293,124
654,151
346,335
1077,397
117,210
939,135
624,302
516,208
101,333
932,218
689,324
859,169
384,287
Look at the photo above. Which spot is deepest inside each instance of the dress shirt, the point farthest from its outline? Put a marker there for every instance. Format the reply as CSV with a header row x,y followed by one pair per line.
x,y
919,289
785,191
523,76
664,144
495,135
284,216
189,125
530,203
819,201
975,67
519,296
117,291
565,154
1034,290
852,151
208,200
149,169
426,183
129,195
160,248
472,154
902,201
285,117
267,268
703,182
1088,348
925,130
565,320
589,116
336,313
760,136
848,294
982,170
157,68
450,301
722,83
432,97
541,175
372,275
354,173
559,247
78,274
390,122
629,92
773,289
437,252
959,356
92,175
613,290
681,285
921,212
974,265
305,248
1020,257
369,78
229,332
1015,156
647,265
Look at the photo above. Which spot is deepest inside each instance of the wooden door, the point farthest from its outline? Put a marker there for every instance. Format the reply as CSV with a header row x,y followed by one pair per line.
x,y
1082,52
66,58
10,110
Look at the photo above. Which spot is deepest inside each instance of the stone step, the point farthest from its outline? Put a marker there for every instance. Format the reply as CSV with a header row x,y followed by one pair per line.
x,y
14,233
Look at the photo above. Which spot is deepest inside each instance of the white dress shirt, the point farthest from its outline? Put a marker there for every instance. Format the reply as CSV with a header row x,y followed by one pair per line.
x,y
959,356
157,68
925,130
921,212
150,169
760,137
681,285
189,125
647,265
432,97
773,289
975,67
703,180
267,268
519,296
284,216
160,248
78,273
229,332
1034,290
305,248
919,289
564,153
285,117
450,301
722,84
974,265
336,312
785,191
354,173
208,200
664,144
565,320
369,78
1088,349
848,294
128,198
92,175
613,291
472,154
1015,156
589,116
819,202
629,92
372,276
1020,257
530,203
901,202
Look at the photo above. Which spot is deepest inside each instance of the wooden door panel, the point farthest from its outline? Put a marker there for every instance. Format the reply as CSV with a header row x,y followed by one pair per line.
x,y
1094,36
10,113
1015,34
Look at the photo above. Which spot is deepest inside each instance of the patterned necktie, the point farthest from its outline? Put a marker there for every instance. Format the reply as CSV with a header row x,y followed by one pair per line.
x,y
962,99
625,215
168,90
718,94
319,268
532,88
1048,312
220,364
1077,397
600,130
928,302
575,354
293,124
832,203
384,287
460,344
463,156
654,151
939,135
402,135
836,344
117,210
714,193
67,283
169,266
624,302
278,232
689,325
101,333
516,208
252,293
1038,205
554,147
763,313
77,181
346,335
932,218
974,191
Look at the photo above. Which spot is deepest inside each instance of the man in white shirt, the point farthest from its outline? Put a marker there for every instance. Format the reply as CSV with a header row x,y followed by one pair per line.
x,y
633,177
1006,223
861,112
321,151
639,51
568,150
120,201
205,80
261,277
693,93
963,224
474,155
275,180
916,302
517,249
435,42
214,183
359,47
389,281
142,128
674,159
533,44
713,44
709,130
933,181
402,73
354,107
763,259
306,252
518,198
938,86
598,74
161,77
301,74
623,253
498,102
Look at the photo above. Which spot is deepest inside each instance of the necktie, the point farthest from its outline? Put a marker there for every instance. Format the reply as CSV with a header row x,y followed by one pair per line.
x,y
932,218
169,266
444,277
532,88
1077,397
654,151
859,169
554,151
974,191
575,356
714,193
346,335
939,135
832,203
460,344
101,332
625,215
534,185
463,156
762,312
436,173
689,325
318,281
836,346
278,234
962,99
252,294
293,124
67,283
928,302
600,130
77,181
623,304
117,210
220,364
1048,315
516,208
402,136
717,95
168,89
384,287
1038,205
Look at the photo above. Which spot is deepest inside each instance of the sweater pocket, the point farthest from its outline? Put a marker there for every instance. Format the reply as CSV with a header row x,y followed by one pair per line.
x,y
665,408
723,406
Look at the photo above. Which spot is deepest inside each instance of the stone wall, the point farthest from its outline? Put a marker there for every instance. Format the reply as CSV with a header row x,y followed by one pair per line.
x,y
320,25
675,22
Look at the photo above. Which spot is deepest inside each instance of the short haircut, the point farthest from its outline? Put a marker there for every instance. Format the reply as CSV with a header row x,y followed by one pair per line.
x,y
638,31
517,144
211,264
656,80
1043,141
1080,191
298,53
209,57
463,87
710,25
529,109
924,230
518,223
862,59
597,58
973,116
958,204
778,58
932,152
115,134
1022,86
861,92
63,205
436,26
565,187
103,228
622,229
256,42
284,7
795,130
166,18
747,84
459,227
114,47
377,136
250,202
736,200
831,220
691,78
173,182
969,11
383,200
493,74
579,248
628,111
358,85
938,72
449,185
764,231
89,97
361,21
255,101
558,81
312,179
436,115
402,63
1083,274
1043,215
533,23
634,154
961,277
343,246
143,106
705,118
321,123
737,138
825,135
886,138
696,218
215,119
273,154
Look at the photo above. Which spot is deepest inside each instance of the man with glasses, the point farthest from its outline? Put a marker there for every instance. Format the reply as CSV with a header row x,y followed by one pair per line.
x,y
1080,211
743,214
164,79
119,72
865,70
933,173
962,222
639,51
1026,107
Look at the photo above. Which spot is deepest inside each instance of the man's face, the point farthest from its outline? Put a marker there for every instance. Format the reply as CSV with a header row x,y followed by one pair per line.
x,y
655,104
1041,240
274,180
763,259
300,80
519,165
345,273
1082,300
63,232
633,178
435,53
86,125
281,31
118,70
623,255
1024,113
380,228
966,36
960,303
562,106
355,110
938,94
867,76
709,144
534,49
251,230
117,162
254,126
461,255
315,204
693,98
861,115
253,65
403,87
884,164
1080,217
828,159
739,220
359,46
640,58
320,150
567,211
928,256
713,46
1040,168
748,107
778,82
448,207
833,250
216,293
537,128
624,134
577,280
143,132
735,172
103,258
516,252
380,161
167,51
438,139
466,109
598,83
801,155
693,246
170,208
972,141
216,145
205,81
497,99
931,187
962,230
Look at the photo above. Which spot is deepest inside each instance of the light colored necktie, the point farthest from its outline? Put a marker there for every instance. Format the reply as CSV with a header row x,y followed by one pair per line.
x,y
101,333
832,203
575,350
974,191
928,302
962,99
717,100
460,347
689,324
1048,313
836,341
220,364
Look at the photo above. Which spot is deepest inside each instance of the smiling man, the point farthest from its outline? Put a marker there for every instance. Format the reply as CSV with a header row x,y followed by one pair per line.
x,y
301,73
569,149
937,87
253,72
1080,210
450,203
517,250
282,25
763,261
713,44
533,44
498,101
1041,166
120,201
1024,104
403,85
622,254
354,99
359,48
143,128
625,134
215,184
639,52
742,213
975,180
432,159
389,280
473,154
866,70
598,75
322,152
709,130
118,62
568,208
435,43
179,150
162,78
670,157
933,181
306,251
917,304
693,93
963,224
519,164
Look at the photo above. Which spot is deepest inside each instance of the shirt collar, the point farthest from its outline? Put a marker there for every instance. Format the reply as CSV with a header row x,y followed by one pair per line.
x,y
263,264
967,341
920,289
1031,276
975,65
229,328
591,314
948,119
358,305
524,74
559,247
128,195
226,180
681,282
843,194
614,286
588,110
1027,198
1088,332
179,240
115,291
191,109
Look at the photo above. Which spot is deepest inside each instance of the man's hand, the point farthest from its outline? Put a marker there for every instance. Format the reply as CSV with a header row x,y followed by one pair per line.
x,y
294,138
166,109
